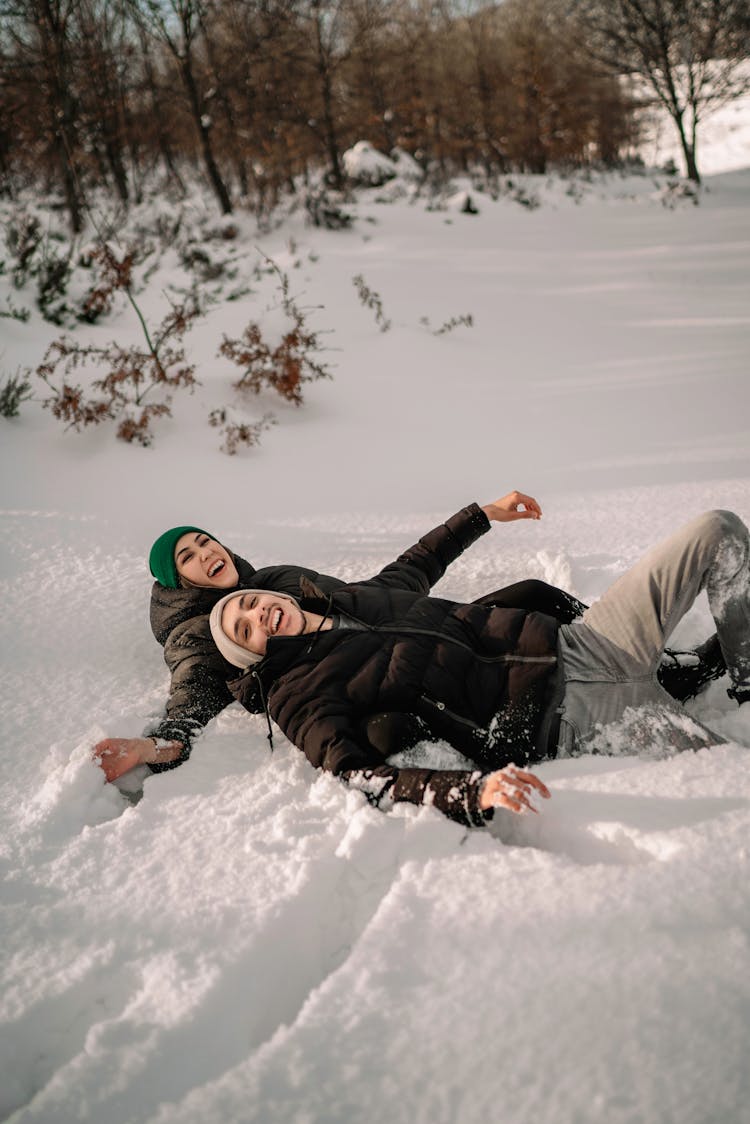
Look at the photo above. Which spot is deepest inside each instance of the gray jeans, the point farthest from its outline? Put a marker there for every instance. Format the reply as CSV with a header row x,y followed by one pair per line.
x,y
611,655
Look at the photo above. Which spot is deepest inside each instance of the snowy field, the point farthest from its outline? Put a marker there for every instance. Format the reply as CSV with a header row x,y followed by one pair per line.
x,y
251,943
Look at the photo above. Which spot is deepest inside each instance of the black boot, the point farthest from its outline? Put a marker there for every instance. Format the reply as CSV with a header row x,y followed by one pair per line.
x,y
684,674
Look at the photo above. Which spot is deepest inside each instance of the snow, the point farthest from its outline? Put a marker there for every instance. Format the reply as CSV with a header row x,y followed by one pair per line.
x,y
365,165
245,940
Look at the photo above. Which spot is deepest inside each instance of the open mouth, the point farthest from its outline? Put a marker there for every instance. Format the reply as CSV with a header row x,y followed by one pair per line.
x,y
215,568
275,621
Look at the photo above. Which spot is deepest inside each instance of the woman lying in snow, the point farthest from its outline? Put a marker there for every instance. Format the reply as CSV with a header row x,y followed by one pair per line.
x,y
193,571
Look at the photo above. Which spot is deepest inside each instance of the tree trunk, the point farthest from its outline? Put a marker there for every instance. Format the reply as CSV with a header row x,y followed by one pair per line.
x,y
329,124
97,59
214,175
6,178
494,157
70,186
688,148
117,167
161,133
61,107
690,164
227,109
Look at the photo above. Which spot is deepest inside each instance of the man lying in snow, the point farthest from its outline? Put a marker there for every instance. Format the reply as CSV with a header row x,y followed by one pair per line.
x,y
506,687
193,570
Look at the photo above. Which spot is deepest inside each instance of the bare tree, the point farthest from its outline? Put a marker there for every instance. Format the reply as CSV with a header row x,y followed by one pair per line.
x,y
102,60
689,52
11,114
207,15
427,102
176,24
488,74
39,33
369,27
154,106
321,21
102,90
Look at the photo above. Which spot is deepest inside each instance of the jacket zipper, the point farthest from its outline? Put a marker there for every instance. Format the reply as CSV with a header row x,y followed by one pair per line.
x,y
452,640
450,713
459,718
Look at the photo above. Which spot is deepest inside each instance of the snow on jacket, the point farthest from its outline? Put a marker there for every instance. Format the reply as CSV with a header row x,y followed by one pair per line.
x,y
483,679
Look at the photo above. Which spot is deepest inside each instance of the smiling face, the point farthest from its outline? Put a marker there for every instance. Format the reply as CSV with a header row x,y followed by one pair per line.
x,y
251,619
203,562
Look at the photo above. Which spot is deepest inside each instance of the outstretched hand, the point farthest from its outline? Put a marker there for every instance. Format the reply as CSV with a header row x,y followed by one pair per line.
x,y
513,506
510,788
118,756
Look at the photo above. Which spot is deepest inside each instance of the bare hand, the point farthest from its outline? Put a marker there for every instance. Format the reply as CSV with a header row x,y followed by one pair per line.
x,y
513,506
118,756
510,788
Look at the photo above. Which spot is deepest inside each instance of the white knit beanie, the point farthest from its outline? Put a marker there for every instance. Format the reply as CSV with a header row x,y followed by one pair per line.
x,y
230,649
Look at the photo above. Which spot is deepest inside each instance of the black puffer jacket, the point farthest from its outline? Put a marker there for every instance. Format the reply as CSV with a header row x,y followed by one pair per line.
x,y
482,678
198,688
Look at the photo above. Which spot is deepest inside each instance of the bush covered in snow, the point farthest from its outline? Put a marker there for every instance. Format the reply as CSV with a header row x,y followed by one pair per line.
x,y
367,167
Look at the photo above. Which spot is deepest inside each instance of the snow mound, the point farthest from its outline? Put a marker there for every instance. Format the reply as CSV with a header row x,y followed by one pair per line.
x,y
74,794
366,166
406,166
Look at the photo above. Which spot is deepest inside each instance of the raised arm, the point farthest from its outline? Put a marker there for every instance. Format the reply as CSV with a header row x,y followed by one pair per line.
x,y
423,564
512,507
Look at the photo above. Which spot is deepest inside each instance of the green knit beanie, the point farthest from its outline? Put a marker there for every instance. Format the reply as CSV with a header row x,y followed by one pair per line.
x,y
161,561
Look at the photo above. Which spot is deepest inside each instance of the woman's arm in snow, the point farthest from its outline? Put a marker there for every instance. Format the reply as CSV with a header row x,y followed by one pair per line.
x,y
118,756
197,693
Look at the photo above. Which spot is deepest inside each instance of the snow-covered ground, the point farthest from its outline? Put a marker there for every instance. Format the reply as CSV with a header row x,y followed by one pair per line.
x,y
251,942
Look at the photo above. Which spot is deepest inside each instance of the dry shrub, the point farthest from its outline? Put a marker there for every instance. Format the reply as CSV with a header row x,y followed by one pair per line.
x,y
238,433
115,275
14,390
285,367
467,321
370,299
132,375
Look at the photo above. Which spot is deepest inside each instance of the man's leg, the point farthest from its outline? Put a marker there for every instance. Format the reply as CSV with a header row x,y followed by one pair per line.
x,y
684,674
681,674
610,657
639,612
